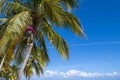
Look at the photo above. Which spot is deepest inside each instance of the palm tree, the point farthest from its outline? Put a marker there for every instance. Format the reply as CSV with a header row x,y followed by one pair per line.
x,y
26,26
9,74
2,21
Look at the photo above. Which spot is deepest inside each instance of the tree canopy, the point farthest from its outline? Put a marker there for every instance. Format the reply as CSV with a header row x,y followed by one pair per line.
x,y
42,16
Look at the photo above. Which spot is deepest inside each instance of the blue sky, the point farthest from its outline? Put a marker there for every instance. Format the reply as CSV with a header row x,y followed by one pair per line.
x,y
99,53
101,23
96,55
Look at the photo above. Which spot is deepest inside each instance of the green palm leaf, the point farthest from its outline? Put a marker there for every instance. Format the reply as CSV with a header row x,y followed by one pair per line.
x,y
38,68
58,42
54,12
1,5
3,20
3,23
12,8
28,70
70,3
73,24
18,58
14,31
40,55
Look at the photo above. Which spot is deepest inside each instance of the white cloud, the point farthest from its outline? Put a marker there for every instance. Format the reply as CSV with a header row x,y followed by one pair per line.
x,y
77,73
49,73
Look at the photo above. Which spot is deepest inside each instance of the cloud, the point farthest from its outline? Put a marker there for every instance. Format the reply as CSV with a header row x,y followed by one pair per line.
x,y
50,73
77,73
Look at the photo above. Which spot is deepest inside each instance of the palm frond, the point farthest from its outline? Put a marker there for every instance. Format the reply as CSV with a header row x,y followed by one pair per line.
x,y
18,58
58,42
33,65
13,8
3,20
73,24
40,55
18,1
39,49
14,31
3,23
28,72
32,4
54,12
70,3
42,50
10,73
35,3
37,67
1,5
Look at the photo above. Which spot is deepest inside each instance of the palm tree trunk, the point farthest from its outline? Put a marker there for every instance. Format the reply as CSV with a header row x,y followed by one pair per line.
x,y
2,63
29,48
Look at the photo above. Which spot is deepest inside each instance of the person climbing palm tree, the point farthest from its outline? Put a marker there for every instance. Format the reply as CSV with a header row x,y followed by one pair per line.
x,y
29,34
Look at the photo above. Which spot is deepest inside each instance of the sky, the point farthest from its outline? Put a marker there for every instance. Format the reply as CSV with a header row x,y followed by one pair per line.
x,y
97,55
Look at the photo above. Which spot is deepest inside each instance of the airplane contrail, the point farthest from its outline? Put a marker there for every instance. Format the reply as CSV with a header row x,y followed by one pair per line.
x,y
92,44
95,43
